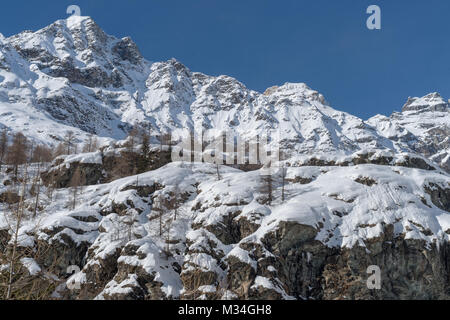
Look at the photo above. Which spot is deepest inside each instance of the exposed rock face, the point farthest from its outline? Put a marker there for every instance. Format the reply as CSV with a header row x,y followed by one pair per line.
x,y
308,269
228,243
105,169
61,177
61,254
440,195
291,262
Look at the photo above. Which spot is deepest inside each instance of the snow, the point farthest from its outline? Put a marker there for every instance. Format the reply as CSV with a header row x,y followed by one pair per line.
x,y
31,265
207,289
242,255
169,97
344,213
431,99
92,158
266,283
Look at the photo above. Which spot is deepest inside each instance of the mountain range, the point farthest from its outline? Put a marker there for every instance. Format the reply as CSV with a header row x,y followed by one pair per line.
x,y
71,75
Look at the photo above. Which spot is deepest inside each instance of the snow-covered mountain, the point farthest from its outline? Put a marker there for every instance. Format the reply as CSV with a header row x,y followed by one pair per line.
x,y
351,194
423,126
72,76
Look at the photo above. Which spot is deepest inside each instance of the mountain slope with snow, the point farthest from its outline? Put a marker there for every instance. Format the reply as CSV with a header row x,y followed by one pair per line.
x,y
72,76
225,234
423,126
354,194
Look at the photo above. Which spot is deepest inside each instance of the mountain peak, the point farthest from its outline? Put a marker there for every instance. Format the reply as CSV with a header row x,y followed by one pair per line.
x,y
431,102
299,90
79,19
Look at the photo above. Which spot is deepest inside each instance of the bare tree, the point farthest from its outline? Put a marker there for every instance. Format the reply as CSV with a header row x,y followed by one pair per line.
x,y
41,154
145,144
17,152
51,188
266,180
168,229
132,139
131,155
176,202
69,140
18,215
123,166
60,150
219,177
160,206
18,281
75,183
90,144
283,181
3,145
37,189
144,159
165,139
129,221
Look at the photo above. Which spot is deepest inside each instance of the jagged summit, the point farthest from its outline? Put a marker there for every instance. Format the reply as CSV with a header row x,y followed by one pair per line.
x,y
430,102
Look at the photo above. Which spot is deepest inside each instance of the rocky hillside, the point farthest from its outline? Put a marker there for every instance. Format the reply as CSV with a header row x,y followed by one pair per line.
x,y
179,232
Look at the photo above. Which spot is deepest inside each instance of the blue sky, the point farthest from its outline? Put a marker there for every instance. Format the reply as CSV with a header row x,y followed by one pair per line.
x,y
324,43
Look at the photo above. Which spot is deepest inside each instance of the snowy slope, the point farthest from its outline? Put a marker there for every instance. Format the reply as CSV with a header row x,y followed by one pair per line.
x,y
423,126
347,206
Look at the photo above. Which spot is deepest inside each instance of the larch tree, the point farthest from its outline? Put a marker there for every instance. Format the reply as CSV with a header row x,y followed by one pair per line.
x,y
267,183
283,175
75,183
40,155
217,162
3,146
60,150
69,141
90,144
144,159
176,201
14,257
17,152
